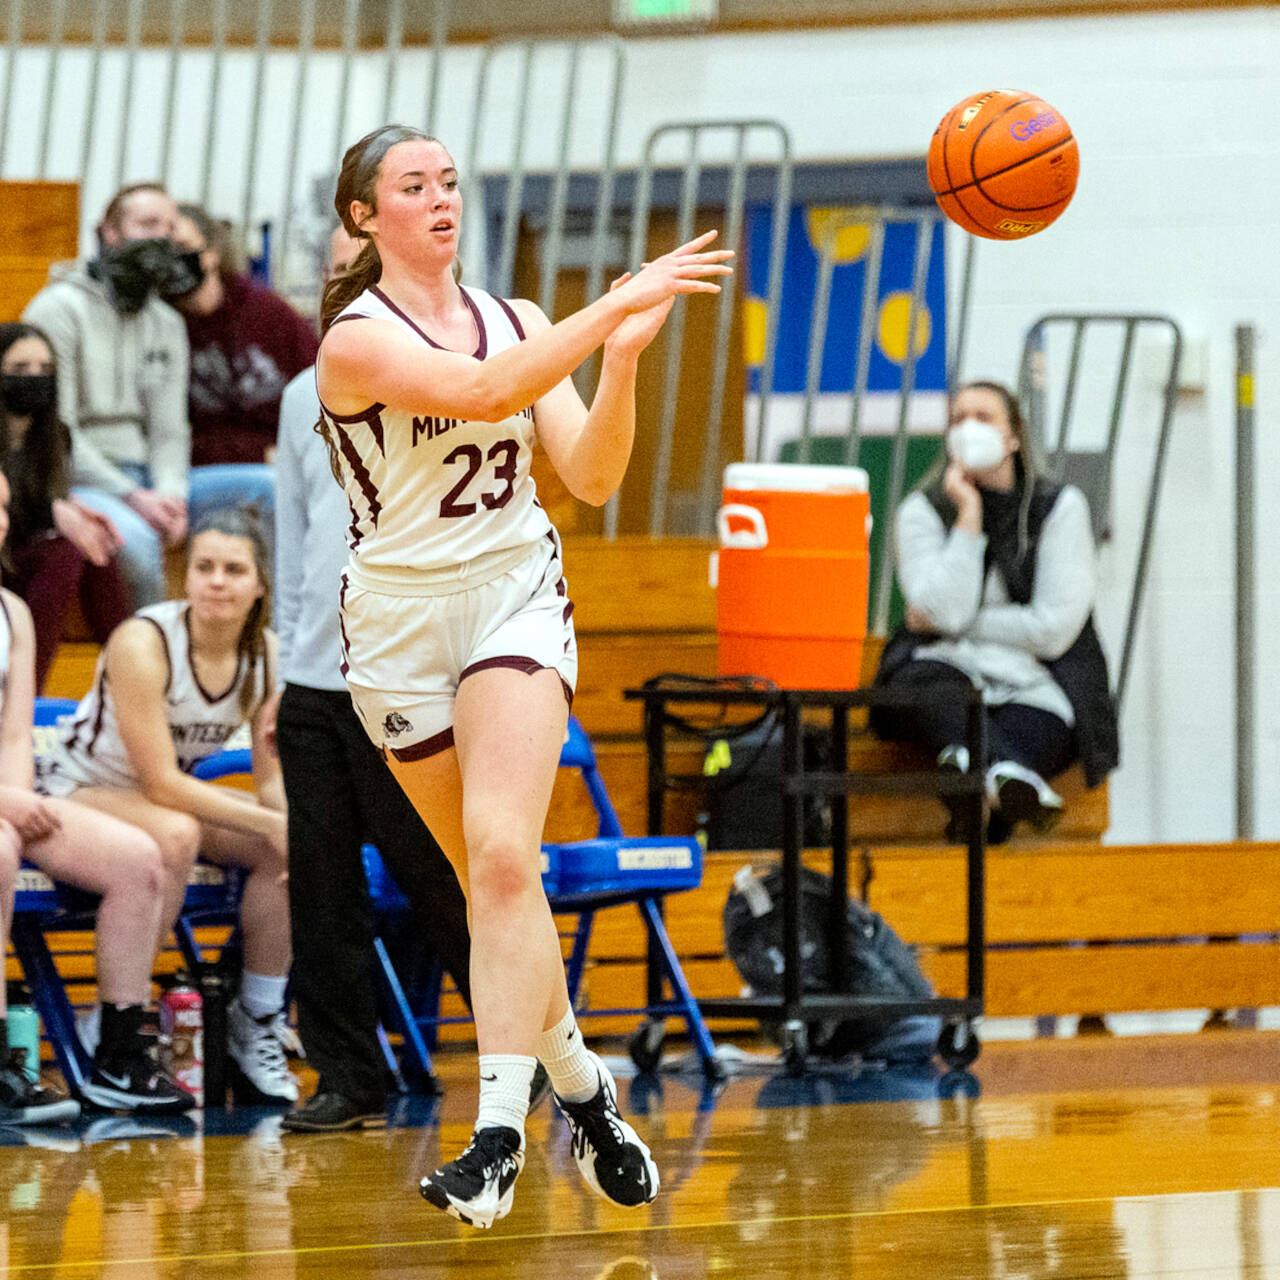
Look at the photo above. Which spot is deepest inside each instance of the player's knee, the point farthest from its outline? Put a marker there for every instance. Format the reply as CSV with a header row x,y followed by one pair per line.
x,y
10,856
502,871
178,840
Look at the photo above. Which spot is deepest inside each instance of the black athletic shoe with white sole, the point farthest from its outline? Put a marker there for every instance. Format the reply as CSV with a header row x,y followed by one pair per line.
x,y
135,1083
1022,795
613,1161
27,1102
478,1187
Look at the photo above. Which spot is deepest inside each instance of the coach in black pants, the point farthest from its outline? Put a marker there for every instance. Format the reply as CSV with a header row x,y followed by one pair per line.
x,y
340,794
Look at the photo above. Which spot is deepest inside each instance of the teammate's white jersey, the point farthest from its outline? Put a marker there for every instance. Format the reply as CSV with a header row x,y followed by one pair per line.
x,y
88,751
436,498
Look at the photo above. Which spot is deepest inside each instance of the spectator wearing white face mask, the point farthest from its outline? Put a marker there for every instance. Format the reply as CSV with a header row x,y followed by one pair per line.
x,y
997,567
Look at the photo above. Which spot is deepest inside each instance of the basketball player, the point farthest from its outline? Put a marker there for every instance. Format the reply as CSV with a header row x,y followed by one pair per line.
x,y
92,852
173,684
458,647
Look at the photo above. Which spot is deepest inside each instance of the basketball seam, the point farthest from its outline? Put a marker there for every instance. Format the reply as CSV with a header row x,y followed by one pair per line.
x,y
977,182
1026,98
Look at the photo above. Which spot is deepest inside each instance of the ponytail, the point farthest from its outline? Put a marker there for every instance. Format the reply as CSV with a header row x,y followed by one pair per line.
x,y
341,291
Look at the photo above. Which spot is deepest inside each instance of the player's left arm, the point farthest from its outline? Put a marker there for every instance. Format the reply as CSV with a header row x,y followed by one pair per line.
x,y
590,448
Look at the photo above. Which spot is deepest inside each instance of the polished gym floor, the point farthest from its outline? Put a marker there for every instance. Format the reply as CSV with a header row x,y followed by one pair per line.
x,y
1094,1157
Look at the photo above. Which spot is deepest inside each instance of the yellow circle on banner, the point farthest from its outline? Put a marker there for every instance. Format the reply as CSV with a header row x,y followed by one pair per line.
x,y
754,324
892,333
850,241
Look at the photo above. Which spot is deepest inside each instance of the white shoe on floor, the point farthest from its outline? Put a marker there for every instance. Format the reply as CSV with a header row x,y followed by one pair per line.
x,y
256,1051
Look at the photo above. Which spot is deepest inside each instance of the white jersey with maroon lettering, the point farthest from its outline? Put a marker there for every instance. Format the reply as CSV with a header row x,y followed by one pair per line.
x,y
88,750
436,498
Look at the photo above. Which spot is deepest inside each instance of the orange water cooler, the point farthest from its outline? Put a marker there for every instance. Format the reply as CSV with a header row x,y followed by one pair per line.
x,y
791,600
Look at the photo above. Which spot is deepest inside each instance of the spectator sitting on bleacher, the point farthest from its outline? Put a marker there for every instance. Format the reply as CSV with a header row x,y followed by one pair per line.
x,y
174,683
90,851
122,378
57,548
997,566
246,344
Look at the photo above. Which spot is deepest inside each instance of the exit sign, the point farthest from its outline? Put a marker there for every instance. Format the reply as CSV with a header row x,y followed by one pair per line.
x,y
664,13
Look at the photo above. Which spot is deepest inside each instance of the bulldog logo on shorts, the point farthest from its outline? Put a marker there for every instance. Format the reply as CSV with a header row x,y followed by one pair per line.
x,y
395,724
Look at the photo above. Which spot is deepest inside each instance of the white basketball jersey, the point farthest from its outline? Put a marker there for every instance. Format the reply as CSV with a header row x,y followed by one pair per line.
x,y
430,494
88,750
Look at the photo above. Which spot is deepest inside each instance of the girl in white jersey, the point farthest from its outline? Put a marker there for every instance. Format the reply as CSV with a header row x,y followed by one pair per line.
x,y
456,621
173,684
89,851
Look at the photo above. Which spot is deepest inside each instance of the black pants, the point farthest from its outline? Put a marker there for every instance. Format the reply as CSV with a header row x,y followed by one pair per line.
x,y
1030,736
341,795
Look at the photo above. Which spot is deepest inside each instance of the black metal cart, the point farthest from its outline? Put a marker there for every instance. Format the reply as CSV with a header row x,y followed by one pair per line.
x,y
958,1044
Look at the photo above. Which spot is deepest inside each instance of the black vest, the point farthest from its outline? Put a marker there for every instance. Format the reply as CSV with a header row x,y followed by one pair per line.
x,y
1081,672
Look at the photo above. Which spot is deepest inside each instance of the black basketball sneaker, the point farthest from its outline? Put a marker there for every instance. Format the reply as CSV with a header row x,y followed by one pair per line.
x,y
478,1187
613,1161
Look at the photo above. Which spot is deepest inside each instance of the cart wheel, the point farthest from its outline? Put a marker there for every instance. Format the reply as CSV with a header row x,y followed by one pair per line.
x,y
645,1045
795,1047
958,1045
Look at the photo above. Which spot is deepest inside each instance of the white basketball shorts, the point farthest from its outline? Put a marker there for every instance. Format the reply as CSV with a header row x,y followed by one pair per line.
x,y
405,655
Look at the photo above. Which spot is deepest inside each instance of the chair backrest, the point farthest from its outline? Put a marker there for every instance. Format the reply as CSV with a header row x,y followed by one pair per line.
x,y
48,710
578,753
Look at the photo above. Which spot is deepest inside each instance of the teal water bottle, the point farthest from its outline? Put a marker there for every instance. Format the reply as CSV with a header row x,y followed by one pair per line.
x,y
24,1028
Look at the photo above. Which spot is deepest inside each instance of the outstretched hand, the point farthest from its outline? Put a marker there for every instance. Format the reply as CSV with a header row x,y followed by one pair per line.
x,y
684,270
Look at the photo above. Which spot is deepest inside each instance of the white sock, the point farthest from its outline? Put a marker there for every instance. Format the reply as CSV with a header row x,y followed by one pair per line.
x,y
260,994
573,1072
504,1090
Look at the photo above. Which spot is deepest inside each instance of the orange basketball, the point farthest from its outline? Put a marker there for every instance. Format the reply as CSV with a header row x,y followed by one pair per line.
x,y
1003,164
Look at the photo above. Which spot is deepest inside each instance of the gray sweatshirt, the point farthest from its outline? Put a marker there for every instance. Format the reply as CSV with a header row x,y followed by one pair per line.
x,y
311,550
997,643
122,382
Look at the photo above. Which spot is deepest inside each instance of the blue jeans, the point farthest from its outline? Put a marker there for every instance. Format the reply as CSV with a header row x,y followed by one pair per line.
x,y
231,484
141,555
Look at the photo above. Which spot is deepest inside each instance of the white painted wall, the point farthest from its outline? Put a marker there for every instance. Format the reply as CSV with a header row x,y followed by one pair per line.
x,y
1176,212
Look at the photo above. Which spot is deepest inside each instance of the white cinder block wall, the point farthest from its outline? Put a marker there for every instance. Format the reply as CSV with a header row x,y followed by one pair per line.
x,y
1177,211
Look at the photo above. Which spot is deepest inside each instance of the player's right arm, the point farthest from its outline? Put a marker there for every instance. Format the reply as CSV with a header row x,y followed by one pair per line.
x,y
375,361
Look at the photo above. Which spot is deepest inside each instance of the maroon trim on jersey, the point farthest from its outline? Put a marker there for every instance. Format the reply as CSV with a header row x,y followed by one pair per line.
x,y
168,657
365,415
360,473
482,345
343,666
431,746
240,674
519,663
511,315
96,728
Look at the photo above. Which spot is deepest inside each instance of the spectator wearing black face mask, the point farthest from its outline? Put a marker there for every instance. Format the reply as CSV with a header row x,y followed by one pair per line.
x,y
246,344
57,547
123,362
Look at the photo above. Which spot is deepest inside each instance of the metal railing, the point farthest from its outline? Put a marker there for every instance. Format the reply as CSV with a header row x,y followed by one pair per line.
x,y
1094,469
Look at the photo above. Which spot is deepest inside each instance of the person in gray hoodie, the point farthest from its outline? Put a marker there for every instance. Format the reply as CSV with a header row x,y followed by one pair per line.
x,y
123,361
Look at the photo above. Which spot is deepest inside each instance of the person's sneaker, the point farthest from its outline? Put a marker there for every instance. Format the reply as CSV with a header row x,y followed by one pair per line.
x,y
478,1187
539,1087
1022,795
289,1039
24,1102
134,1082
953,760
327,1111
613,1161
258,1056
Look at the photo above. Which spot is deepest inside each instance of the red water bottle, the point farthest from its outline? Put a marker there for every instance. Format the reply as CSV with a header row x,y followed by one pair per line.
x,y
182,1035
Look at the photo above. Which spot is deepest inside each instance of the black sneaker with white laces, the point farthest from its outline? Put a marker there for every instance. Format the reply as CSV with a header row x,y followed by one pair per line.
x,y
24,1102
613,1161
1022,795
478,1187
134,1082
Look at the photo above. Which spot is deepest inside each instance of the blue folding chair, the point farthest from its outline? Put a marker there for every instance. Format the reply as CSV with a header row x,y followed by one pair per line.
x,y
583,877
42,905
